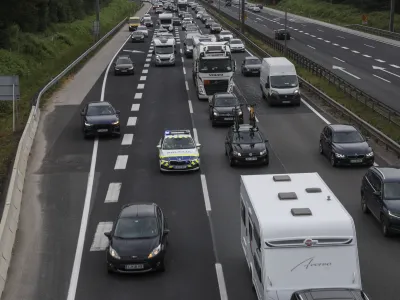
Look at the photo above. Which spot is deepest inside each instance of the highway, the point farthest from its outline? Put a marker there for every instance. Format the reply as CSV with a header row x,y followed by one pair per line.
x,y
88,181
372,66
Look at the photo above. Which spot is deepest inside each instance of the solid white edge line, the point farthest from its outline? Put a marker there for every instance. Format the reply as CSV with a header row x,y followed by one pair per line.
x,y
184,70
311,47
221,282
73,283
190,106
196,137
205,192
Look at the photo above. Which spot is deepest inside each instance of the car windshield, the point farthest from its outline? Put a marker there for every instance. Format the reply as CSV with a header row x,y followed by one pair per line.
x,y
124,61
284,81
253,61
215,65
164,50
184,142
147,19
247,137
215,25
225,101
347,137
136,228
100,110
236,42
391,191
142,28
138,33
225,32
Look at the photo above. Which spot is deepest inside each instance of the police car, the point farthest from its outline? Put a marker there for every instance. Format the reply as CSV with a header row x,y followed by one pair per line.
x,y
177,151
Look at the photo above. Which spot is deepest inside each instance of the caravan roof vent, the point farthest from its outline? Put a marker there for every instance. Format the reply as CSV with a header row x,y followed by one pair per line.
x,y
296,212
313,190
287,196
282,178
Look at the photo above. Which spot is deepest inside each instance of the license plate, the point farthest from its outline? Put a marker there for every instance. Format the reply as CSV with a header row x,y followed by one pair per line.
x,y
228,119
180,167
134,267
255,71
285,102
102,130
123,70
356,160
251,158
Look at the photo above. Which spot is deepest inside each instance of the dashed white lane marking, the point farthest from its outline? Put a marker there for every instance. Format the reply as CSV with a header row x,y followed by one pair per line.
x,y
206,196
190,106
135,107
180,51
131,121
127,139
178,43
187,85
149,55
184,70
138,96
140,86
145,71
326,41
113,191
300,31
320,30
319,38
100,241
121,162
221,282
335,44
306,33
196,137
296,29
380,60
340,37
381,78
148,59
345,48
146,65
365,55
311,47
395,66
183,60
151,48
369,46
143,78
313,36
339,59
354,51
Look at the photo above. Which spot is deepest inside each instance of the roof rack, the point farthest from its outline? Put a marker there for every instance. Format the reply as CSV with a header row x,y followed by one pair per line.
x,y
313,190
280,178
176,132
297,212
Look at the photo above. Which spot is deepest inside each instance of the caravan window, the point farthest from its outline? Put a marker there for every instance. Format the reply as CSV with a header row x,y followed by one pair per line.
x,y
243,213
257,238
257,268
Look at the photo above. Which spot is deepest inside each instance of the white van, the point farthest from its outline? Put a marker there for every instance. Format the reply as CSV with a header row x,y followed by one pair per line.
x,y
296,235
278,81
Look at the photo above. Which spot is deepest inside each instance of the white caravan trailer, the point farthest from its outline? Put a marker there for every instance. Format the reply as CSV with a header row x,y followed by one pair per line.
x,y
296,235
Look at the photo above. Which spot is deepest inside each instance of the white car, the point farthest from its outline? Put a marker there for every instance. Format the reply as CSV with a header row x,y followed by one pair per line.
x,y
236,45
199,14
144,30
254,8
225,35
178,151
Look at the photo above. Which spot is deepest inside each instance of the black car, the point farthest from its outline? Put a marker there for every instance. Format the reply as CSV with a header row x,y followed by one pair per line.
x,y
345,145
188,47
137,36
260,6
138,240
100,118
330,293
246,145
251,65
215,28
380,195
176,22
222,108
282,34
124,65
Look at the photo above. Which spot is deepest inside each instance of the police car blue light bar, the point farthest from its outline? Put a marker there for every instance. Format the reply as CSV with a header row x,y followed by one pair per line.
x,y
175,132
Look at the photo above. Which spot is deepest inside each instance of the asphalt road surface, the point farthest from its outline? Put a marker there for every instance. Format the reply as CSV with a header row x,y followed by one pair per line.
x,y
372,66
205,259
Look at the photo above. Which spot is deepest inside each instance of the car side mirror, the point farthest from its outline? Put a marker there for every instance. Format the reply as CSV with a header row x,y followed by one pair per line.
x,y
377,193
82,112
266,140
108,235
158,146
267,85
175,51
198,145
166,231
154,52
210,104
117,112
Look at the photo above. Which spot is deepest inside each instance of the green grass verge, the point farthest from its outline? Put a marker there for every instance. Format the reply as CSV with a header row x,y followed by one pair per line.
x,y
364,112
36,58
340,14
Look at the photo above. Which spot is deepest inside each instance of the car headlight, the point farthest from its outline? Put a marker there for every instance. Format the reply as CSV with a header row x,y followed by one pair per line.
x,y
296,92
240,113
370,154
201,89
131,68
113,253
155,251
338,155
172,57
393,215
88,124
263,152
116,69
158,57
215,112
235,153
115,123
230,88
274,94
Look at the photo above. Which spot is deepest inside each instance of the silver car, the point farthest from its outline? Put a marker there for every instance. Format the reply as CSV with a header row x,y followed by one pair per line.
x,y
144,30
225,35
236,45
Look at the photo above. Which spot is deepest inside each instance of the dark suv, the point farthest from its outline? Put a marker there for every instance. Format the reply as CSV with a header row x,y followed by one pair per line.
x,y
324,294
380,195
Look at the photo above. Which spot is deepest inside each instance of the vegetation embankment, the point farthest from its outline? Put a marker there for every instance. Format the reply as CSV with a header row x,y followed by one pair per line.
x,y
342,13
37,50
364,112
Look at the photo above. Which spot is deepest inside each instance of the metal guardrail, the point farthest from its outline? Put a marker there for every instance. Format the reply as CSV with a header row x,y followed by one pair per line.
x,y
378,136
384,110
55,80
379,32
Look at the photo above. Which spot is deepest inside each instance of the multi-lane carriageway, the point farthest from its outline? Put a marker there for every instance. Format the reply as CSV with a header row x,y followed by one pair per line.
x,y
86,183
371,65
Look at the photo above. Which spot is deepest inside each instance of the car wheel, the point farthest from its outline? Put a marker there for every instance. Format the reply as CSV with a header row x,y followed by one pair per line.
x,y
384,227
109,270
333,160
210,115
321,150
231,161
212,123
161,267
364,206
267,162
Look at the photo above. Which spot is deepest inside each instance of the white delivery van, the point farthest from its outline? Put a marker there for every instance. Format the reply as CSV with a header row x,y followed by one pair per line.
x,y
296,235
278,81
